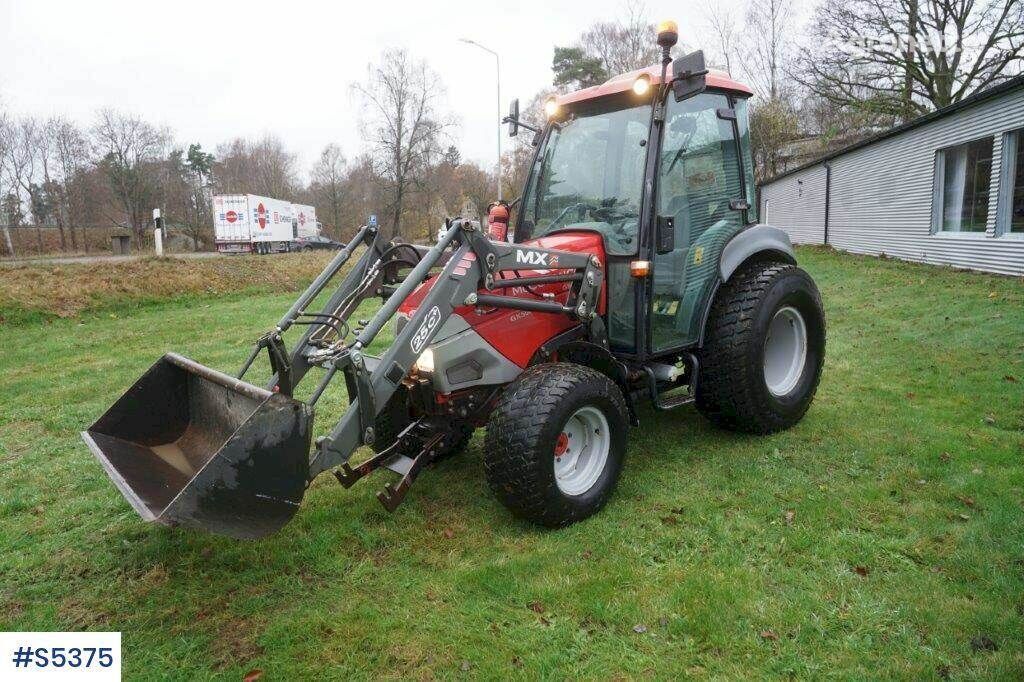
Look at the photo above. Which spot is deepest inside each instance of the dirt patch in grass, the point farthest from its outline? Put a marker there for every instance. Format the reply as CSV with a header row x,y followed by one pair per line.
x,y
79,614
34,292
236,644
10,607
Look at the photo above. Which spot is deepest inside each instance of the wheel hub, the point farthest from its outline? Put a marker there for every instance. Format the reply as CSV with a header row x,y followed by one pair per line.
x,y
562,444
581,451
785,351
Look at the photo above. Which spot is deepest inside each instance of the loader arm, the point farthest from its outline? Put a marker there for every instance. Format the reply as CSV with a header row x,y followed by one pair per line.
x,y
476,261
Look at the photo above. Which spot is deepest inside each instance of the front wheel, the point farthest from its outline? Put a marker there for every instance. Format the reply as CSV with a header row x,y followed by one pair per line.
x,y
763,350
555,443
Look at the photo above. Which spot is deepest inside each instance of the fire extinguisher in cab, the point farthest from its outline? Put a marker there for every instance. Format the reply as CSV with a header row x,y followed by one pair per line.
x,y
497,221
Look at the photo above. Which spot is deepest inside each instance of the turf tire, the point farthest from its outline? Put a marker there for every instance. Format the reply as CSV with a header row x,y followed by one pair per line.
x,y
732,391
521,436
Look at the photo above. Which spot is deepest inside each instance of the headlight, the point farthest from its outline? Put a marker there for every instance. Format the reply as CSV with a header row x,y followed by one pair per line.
x,y
425,362
641,85
551,107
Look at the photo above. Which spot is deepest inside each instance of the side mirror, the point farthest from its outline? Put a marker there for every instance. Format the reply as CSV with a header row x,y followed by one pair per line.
x,y
688,75
513,118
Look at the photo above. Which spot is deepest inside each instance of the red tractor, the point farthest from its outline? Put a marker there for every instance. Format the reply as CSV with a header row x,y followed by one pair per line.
x,y
634,270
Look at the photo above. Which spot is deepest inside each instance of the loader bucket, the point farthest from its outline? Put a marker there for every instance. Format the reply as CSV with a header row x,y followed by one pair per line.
x,y
187,445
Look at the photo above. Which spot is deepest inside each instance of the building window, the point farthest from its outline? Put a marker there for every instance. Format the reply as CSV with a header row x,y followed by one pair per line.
x,y
963,182
1011,204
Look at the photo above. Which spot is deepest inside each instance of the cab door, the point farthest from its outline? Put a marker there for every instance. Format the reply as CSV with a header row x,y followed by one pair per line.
x,y
699,177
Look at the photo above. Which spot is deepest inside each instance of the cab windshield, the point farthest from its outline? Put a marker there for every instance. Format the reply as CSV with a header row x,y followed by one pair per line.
x,y
590,174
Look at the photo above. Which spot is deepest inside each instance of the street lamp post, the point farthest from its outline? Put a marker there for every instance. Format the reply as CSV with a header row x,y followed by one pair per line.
x,y
497,80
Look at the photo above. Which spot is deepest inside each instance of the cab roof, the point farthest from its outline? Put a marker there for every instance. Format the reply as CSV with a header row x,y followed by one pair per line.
x,y
624,82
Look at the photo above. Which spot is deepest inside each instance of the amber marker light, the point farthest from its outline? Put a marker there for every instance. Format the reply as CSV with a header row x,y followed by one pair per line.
x,y
668,33
640,268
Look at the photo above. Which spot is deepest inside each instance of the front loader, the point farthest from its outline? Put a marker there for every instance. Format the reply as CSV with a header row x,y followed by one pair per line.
x,y
635,271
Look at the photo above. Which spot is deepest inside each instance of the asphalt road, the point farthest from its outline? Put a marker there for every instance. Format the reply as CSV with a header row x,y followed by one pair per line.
x,y
99,259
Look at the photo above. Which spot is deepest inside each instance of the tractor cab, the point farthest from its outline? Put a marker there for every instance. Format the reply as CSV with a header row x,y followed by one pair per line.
x,y
658,163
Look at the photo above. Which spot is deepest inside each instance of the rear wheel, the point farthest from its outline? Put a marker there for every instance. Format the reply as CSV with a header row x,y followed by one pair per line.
x,y
763,350
555,443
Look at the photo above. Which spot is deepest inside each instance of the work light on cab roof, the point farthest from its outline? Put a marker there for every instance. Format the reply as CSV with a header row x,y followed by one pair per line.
x,y
551,107
642,85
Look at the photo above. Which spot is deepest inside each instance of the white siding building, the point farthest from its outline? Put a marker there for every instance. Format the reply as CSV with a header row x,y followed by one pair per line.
x,y
947,189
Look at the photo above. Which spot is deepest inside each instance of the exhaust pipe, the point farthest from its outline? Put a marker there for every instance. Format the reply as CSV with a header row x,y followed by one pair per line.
x,y
188,445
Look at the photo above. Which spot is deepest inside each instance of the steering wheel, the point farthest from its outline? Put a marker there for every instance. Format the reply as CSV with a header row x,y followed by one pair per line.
x,y
606,214
580,206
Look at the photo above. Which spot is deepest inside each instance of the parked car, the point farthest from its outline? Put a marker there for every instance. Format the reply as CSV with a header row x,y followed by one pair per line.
x,y
315,242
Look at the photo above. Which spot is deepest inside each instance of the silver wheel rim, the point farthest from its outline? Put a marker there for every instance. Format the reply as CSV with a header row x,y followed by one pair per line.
x,y
785,351
581,451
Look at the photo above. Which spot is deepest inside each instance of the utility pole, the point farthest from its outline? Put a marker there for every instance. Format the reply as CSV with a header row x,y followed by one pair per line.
x,y
497,81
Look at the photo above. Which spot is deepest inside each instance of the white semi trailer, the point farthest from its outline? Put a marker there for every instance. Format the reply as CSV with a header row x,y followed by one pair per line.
x,y
244,223
305,219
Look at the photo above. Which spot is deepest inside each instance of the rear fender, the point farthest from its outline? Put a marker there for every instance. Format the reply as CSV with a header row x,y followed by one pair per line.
x,y
757,243
754,241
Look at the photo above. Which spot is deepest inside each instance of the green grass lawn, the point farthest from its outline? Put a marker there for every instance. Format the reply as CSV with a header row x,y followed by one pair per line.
x,y
881,537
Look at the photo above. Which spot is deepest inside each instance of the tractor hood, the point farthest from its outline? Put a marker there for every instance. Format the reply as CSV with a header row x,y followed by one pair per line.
x,y
516,334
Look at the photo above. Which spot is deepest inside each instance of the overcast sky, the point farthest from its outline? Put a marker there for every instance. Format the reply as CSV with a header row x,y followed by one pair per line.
x,y
217,69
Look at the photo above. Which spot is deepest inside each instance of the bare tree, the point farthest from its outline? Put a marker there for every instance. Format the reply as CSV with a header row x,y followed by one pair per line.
x,y
623,45
22,162
907,57
5,142
263,166
404,125
723,25
273,167
131,151
327,186
767,40
68,152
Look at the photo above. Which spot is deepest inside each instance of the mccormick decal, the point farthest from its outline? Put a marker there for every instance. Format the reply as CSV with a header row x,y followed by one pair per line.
x,y
261,215
302,218
231,216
